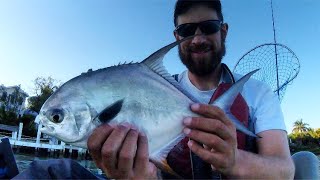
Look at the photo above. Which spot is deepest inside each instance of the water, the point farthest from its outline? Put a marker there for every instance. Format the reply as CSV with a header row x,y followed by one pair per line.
x,y
23,162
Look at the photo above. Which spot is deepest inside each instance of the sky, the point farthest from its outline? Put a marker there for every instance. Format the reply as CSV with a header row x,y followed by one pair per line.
x,y
62,39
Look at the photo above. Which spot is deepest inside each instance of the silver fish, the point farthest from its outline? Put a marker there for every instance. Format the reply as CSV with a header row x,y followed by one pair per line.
x,y
143,94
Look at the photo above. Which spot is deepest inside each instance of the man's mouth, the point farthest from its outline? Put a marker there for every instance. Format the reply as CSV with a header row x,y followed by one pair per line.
x,y
200,51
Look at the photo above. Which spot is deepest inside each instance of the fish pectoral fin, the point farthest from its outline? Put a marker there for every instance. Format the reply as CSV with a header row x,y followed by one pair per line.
x,y
109,112
160,157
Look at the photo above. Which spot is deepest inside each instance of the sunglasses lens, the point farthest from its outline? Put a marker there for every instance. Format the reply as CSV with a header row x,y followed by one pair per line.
x,y
210,27
186,30
206,27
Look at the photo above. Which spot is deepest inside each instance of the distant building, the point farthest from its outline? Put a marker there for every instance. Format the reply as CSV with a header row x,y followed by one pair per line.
x,y
7,94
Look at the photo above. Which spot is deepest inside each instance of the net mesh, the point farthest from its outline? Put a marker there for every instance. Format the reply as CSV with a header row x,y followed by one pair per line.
x,y
271,59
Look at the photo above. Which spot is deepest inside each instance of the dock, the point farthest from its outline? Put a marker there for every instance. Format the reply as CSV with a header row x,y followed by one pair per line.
x,y
48,143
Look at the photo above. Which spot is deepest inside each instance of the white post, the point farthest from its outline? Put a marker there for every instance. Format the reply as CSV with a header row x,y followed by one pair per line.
x,y
14,135
63,144
20,131
70,150
38,134
81,153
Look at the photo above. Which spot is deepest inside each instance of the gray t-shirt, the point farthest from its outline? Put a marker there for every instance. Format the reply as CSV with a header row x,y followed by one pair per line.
x,y
264,106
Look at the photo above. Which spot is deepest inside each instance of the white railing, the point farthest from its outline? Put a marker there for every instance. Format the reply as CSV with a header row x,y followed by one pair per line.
x,y
17,139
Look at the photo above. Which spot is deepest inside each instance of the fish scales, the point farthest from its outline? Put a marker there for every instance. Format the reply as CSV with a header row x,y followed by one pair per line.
x,y
148,98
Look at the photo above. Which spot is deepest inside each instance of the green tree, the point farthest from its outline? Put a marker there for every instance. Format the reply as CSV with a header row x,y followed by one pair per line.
x,y
44,87
302,134
29,127
9,105
311,133
300,127
317,133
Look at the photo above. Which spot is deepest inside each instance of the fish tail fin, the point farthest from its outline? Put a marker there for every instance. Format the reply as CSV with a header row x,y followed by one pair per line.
x,y
239,125
226,100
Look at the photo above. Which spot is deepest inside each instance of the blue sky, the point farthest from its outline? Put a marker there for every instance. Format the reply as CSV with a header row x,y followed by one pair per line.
x,y
61,39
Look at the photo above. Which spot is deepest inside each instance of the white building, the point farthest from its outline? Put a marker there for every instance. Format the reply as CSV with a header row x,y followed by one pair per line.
x,y
7,94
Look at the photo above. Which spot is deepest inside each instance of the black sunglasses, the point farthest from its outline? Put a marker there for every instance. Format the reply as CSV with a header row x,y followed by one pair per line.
x,y
206,27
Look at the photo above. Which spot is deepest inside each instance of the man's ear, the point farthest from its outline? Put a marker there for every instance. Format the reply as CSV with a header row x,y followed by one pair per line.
x,y
176,35
224,30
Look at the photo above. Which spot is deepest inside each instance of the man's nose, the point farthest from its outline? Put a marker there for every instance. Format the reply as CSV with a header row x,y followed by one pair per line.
x,y
200,38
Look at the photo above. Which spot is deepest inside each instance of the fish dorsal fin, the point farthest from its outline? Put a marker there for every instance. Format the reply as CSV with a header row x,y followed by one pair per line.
x,y
109,112
155,63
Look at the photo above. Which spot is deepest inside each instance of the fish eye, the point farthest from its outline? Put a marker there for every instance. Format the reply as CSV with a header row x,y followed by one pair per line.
x,y
57,115
56,118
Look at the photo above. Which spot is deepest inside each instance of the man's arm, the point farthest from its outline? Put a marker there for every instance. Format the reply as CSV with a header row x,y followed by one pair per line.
x,y
273,160
218,134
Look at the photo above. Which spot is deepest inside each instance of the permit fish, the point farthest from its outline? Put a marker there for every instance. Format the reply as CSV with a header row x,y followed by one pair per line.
x,y
143,94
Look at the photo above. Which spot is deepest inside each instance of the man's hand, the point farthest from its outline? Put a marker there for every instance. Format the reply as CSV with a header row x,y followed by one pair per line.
x,y
121,152
218,135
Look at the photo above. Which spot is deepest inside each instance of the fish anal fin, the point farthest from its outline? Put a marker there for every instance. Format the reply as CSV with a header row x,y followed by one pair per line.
x,y
160,157
164,166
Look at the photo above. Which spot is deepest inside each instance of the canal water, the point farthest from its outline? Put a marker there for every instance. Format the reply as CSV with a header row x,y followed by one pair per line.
x,y
23,162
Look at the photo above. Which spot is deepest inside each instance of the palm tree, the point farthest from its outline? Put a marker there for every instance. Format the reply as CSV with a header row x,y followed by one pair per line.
x,y
317,132
300,127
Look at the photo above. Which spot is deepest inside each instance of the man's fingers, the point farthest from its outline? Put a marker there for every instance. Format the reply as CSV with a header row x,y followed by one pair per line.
x,y
121,151
211,112
210,140
96,140
208,125
112,146
128,152
206,155
142,157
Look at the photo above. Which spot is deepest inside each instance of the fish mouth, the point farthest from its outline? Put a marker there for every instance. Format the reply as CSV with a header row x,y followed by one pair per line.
x,y
45,122
47,129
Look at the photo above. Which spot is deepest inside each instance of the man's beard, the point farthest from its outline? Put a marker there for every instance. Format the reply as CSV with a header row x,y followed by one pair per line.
x,y
206,65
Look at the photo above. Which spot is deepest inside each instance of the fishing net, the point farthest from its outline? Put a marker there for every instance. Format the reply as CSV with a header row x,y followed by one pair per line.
x,y
277,63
